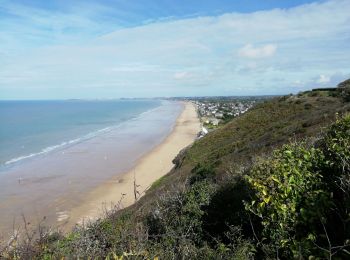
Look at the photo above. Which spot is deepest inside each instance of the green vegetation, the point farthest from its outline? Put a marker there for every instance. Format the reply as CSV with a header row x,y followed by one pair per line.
x,y
344,89
272,183
301,197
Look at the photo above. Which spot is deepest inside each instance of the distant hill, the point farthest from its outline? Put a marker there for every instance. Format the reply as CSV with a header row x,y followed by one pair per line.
x,y
239,192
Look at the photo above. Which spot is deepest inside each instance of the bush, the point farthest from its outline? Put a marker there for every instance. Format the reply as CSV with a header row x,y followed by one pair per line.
x,y
226,209
177,219
336,148
290,196
302,197
202,172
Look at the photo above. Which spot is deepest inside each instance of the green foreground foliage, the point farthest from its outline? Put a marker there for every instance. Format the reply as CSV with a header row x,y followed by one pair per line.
x,y
270,184
301,196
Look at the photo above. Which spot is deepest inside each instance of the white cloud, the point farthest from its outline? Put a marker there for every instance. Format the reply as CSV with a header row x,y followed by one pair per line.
x,y
298,82
151,59
249,51
137,68
182,75
323,79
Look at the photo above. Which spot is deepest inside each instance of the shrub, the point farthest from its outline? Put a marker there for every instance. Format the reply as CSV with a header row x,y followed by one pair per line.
x,y
226,209
177,219
202,172
290,196
336,148
301,195
337,145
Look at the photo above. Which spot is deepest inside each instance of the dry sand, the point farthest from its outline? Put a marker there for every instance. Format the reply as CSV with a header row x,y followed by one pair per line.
x,y
147,170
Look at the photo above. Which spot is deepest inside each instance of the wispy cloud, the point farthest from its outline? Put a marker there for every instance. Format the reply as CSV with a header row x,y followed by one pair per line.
x,y
323,79
249,51
232,53
183,75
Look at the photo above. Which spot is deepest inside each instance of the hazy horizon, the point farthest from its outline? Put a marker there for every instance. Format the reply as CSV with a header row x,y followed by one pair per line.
x,y
140,98
59,50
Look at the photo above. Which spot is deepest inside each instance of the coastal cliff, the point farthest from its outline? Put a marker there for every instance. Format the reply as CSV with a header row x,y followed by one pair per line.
x,y
272,183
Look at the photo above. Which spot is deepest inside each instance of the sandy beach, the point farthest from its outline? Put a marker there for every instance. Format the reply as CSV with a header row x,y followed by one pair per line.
x,y
79,181
147,170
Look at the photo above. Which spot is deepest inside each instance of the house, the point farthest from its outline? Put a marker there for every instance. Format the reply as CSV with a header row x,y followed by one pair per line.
x,y
219,115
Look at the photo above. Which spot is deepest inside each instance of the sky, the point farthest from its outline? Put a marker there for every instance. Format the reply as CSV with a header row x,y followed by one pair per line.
x,y
150,48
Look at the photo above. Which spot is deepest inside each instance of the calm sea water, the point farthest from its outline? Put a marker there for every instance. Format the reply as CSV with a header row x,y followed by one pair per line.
x,y
31,128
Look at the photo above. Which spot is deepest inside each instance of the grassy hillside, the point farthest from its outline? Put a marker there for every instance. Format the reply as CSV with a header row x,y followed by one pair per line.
x,y
258,132
271,183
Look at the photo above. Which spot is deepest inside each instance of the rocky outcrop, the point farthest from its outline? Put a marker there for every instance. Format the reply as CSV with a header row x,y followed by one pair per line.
x,y
344,88
344,84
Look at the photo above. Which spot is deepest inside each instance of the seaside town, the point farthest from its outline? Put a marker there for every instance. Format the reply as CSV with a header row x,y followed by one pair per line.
x,y
213,113
216,111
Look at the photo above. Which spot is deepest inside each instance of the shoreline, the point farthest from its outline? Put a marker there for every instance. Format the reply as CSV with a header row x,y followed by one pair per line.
x,y
48,190
68,141
148,169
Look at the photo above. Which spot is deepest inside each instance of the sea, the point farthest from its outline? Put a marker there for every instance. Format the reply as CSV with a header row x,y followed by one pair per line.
x,y
33,128
54,153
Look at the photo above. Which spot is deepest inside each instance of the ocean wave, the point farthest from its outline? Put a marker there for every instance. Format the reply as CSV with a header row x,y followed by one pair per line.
x,y
77,140
61,145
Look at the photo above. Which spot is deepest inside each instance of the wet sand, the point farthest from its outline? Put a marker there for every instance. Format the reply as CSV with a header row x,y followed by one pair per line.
x,y
148,169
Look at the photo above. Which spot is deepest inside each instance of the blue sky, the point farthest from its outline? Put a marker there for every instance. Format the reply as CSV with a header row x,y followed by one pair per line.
x,y
111,49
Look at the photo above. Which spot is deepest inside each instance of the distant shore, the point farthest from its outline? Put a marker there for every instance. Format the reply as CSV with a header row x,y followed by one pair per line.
x,y
147,170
